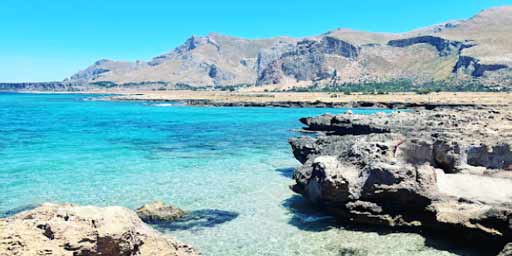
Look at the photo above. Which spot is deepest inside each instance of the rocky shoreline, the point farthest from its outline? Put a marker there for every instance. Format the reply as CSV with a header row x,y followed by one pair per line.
x,y
320,104
52,229
441,167
301,104
315,100
447,170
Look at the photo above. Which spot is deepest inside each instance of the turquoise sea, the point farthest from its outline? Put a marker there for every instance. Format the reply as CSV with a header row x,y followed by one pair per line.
x,y
230,167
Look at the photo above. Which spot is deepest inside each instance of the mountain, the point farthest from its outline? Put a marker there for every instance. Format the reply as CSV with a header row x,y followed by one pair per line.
x,y
476,50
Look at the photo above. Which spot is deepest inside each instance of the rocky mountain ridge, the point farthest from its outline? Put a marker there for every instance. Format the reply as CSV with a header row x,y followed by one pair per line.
x,y
476,50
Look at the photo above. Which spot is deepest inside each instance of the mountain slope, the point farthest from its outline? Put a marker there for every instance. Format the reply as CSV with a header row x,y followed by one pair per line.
x,y
475,50
490,31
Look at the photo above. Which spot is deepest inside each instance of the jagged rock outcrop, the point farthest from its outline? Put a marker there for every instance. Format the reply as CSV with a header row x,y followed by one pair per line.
x,y
63,230
308,60
159,212
268,57
443,169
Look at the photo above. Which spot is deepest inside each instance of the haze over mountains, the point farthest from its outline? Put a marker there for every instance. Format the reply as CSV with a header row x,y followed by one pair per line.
x,y
476,50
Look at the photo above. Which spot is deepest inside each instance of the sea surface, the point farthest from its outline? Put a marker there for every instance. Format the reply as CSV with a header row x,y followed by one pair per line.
x,y
229,167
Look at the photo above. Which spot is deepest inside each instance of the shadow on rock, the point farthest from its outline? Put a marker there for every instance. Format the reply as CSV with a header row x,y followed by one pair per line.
x,y
195,220
309,217
286,172
352,252
447,242
14,211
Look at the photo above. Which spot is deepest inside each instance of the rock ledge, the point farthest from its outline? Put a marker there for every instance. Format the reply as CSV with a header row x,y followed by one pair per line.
x,y
448,169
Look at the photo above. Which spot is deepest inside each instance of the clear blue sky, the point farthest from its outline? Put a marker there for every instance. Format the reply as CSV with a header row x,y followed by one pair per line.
x,y
44,40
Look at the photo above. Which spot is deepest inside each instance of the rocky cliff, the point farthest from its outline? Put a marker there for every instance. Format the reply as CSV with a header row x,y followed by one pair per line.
x,y
477,50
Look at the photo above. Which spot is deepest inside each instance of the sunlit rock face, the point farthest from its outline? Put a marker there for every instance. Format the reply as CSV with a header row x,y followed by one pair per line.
x,y
64,230
445,169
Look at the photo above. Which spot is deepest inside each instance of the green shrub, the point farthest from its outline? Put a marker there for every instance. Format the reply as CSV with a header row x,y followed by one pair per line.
x,y
423,91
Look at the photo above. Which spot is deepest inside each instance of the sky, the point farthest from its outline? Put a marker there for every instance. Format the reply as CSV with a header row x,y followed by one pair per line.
x,y
49,40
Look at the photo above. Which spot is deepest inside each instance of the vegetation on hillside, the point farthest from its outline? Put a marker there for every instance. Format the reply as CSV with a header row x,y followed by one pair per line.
x,y
402,85
399,86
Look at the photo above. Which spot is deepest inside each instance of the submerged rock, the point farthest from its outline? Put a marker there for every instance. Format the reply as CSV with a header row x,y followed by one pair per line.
x,y
444,169
199,219
159,212
83,230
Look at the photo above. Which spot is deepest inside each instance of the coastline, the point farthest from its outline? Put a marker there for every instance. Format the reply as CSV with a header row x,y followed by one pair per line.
x,y
301,99
386,132
307,99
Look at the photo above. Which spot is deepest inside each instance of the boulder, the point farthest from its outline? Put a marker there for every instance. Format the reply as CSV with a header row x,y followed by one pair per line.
x,y
158,211
70,230
328,181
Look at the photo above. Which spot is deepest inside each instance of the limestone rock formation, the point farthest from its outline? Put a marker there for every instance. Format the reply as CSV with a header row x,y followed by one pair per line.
x,y
63,230
159,212
441,169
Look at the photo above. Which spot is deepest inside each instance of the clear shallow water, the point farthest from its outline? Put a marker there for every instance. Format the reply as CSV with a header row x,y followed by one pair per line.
x,y
230,166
